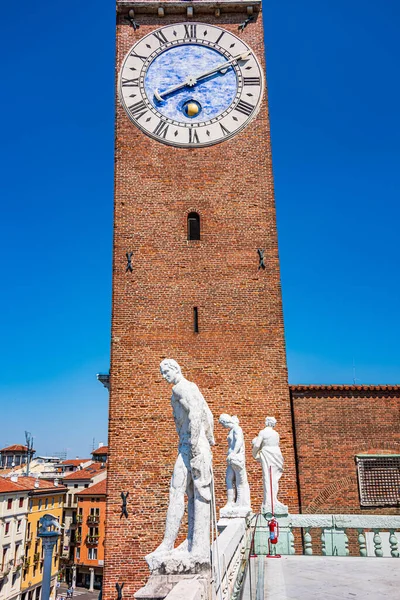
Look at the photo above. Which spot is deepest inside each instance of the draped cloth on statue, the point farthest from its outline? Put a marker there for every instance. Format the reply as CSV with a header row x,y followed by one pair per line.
x,y
266,451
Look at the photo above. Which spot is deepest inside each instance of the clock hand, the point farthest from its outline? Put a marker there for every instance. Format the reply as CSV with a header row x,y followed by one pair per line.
x,y
191,81
223,66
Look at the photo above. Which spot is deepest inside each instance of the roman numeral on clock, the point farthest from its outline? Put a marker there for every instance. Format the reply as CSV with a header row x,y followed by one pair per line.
x,y
244,107
251,80
219,37
138,109
161,129
143,58
193,136
225,131
130,82
161,37
190,31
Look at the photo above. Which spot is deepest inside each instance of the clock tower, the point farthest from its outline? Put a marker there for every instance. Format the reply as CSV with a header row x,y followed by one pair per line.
x,y
195,258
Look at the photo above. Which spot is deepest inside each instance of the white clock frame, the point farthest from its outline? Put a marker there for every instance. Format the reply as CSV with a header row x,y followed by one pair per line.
x,y
250,83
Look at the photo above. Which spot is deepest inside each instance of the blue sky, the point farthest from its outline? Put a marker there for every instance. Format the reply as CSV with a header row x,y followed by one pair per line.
x,y
334,105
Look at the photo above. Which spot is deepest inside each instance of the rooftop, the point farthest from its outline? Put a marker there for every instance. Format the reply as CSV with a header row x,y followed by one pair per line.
x,y
338,387
85,474
101,450
98,489
32,483
15,448
8,486
75,462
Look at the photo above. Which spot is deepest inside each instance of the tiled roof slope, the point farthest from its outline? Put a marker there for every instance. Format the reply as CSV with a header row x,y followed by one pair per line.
x,y
101,450
86,473
8,486
337,387
15,448
98,489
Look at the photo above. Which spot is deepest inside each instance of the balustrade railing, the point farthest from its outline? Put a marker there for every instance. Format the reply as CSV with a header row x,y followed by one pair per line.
x,y
93,518
92,540
333,535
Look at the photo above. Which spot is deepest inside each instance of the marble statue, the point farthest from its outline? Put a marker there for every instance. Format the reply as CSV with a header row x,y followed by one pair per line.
x,y
47,522
191,475
237,486
266,451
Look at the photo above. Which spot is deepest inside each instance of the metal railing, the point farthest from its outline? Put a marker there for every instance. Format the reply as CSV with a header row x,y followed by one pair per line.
x,y
93,519
92,540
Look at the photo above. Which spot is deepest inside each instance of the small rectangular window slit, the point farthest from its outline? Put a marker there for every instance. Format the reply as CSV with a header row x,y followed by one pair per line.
x,y
195,319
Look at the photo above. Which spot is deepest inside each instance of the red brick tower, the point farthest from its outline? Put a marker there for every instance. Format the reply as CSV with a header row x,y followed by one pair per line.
x,y
207,302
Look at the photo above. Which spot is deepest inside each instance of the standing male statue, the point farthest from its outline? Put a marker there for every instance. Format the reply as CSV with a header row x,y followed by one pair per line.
x,y
237,485
266,450
191,475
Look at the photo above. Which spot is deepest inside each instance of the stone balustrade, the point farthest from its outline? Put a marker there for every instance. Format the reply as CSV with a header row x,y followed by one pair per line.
x,y
332,535
227,557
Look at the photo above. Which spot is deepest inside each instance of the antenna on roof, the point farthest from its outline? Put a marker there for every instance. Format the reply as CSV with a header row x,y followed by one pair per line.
x,y
29,450
355,379
93,444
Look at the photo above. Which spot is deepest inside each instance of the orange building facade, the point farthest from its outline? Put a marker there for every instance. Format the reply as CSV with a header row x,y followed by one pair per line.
x,y
89,538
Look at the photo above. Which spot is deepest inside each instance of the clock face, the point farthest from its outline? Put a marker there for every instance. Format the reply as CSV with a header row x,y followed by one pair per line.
x,y
190,84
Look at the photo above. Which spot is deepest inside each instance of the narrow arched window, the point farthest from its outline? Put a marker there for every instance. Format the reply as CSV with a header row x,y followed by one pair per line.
x,y
193,226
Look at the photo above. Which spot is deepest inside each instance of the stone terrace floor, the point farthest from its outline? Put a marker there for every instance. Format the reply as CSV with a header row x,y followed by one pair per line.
x,y
323,578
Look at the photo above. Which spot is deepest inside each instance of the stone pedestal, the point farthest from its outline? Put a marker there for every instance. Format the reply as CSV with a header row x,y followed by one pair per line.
x,y
233,512
175,587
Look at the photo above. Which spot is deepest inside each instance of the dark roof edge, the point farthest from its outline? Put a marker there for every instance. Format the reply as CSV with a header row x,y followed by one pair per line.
x,y
338,387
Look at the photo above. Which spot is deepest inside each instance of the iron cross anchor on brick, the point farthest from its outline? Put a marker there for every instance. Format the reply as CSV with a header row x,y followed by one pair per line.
x,y
129,262
131,19
124,508
261,253
243,25
119,590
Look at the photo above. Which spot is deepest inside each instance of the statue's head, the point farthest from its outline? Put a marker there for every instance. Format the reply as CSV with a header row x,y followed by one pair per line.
x,y
170,370
228,421
270,422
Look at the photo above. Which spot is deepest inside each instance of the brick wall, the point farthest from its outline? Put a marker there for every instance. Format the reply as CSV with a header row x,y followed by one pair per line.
x,y
332,425
238,357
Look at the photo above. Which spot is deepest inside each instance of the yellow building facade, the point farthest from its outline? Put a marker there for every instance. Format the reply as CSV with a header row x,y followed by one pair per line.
x,y
44,497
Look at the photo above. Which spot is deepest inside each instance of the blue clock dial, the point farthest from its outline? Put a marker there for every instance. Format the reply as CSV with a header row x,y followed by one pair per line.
x,y
210,95
190,85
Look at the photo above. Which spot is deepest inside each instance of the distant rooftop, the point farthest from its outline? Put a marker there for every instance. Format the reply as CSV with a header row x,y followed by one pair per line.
x,y
75,462
100,450
15,448
98,489
85,474
32,483
349,387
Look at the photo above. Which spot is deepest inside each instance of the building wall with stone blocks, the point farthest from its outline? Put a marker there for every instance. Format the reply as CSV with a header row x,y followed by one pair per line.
x,y
238,357
332,425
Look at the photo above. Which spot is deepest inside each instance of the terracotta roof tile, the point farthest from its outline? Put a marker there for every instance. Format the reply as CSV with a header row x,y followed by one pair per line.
x,y
75,461
101,450
15,448
6,485
86,473
98,489
32,484
337,387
